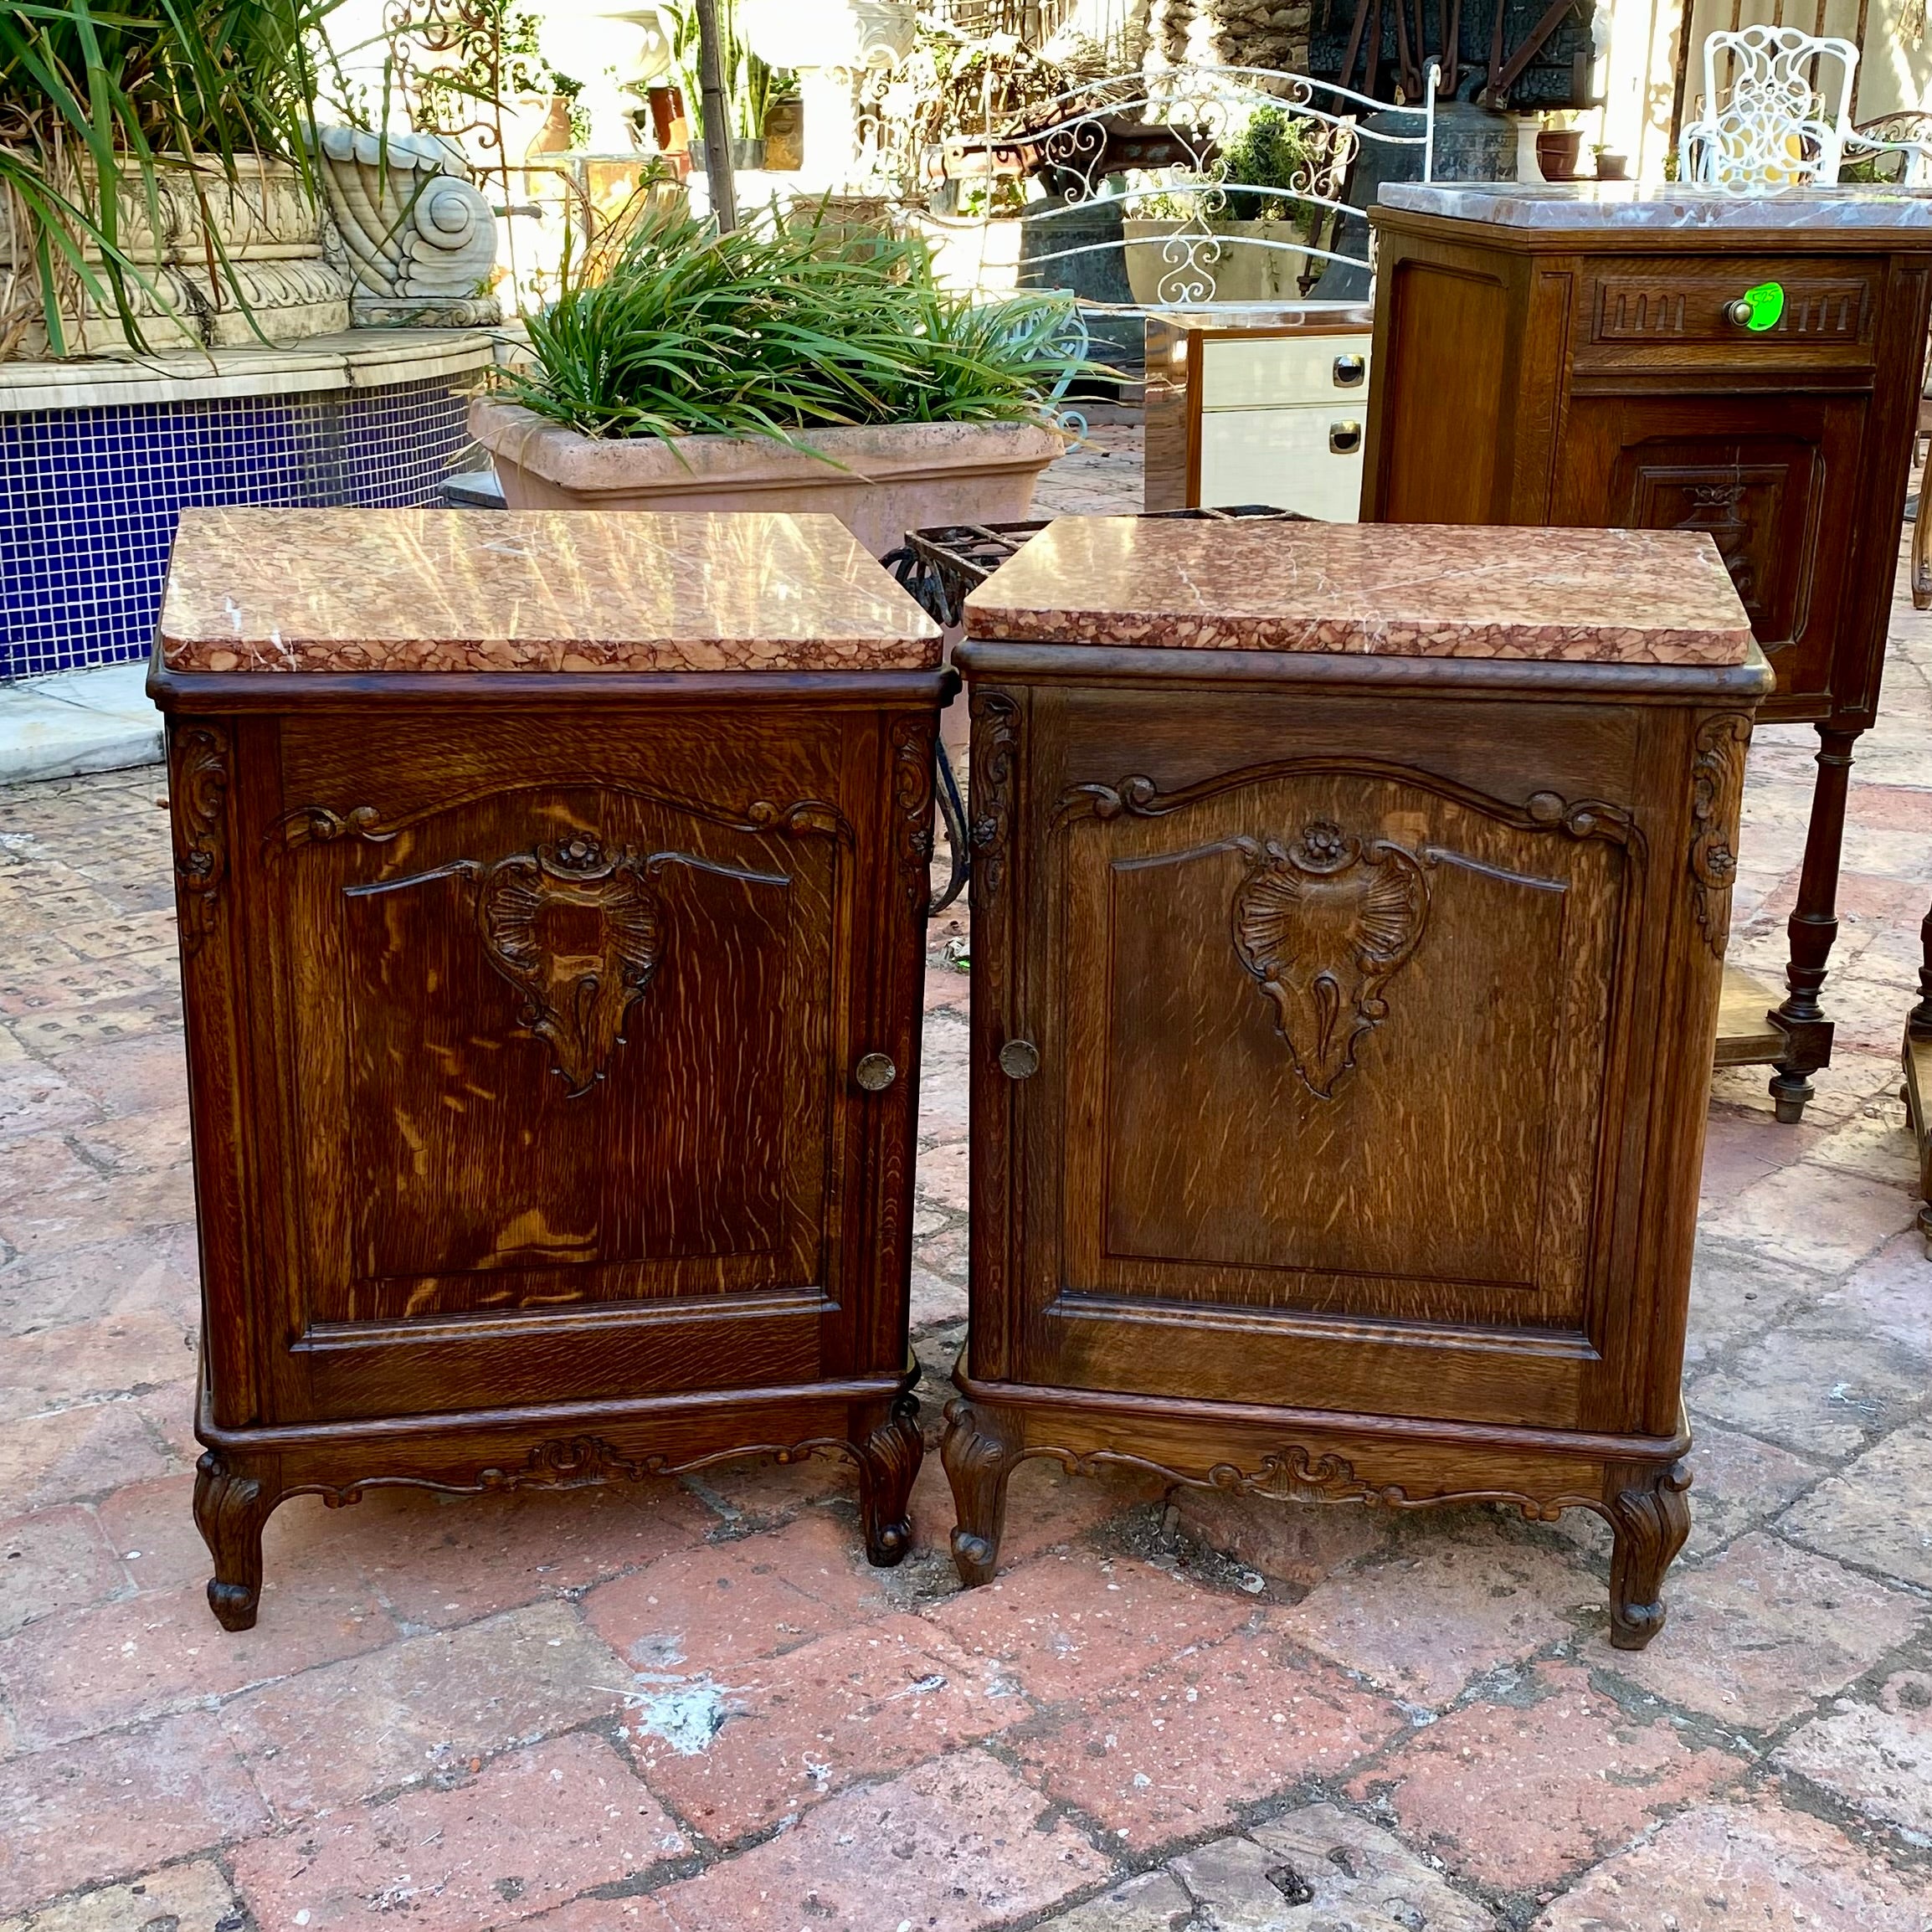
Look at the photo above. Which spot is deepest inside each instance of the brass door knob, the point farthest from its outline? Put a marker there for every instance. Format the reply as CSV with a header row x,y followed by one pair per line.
x,y
1020,1060
1739,313
1350,371
1344,438
875,1072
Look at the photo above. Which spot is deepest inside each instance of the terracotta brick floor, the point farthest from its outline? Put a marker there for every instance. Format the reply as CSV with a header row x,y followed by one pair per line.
x,y
676,1708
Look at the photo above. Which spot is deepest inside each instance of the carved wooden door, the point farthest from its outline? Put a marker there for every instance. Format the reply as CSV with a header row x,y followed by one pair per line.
x,y
1324,1047
574,1109
1776,484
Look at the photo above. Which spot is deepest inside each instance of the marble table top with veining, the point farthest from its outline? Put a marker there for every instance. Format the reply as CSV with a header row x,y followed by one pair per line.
x,y
468,590
1652,597
1631,204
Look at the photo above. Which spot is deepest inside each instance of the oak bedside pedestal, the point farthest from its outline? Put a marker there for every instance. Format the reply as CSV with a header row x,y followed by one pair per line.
x,y
551,892
1349,911
1684,359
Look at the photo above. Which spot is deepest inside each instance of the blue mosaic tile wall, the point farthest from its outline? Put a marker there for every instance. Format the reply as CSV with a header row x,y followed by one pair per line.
x,y
89,497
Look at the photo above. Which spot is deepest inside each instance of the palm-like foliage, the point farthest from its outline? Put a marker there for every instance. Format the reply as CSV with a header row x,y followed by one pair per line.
x,y
772,330
94,93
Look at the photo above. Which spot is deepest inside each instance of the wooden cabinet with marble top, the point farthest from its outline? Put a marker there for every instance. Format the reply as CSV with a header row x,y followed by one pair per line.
x,y
1349,911
552,895
1673,358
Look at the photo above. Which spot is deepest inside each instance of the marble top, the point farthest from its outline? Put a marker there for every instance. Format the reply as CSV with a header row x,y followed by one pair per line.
x,y
1633,205
1389,589
551,590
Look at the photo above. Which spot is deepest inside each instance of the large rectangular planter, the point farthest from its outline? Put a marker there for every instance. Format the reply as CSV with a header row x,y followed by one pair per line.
x,y
879,481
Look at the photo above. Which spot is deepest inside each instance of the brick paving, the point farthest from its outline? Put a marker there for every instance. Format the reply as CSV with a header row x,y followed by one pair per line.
x,y
681,1707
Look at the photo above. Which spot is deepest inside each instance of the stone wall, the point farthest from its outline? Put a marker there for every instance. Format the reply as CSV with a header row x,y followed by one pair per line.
x,y
1230,33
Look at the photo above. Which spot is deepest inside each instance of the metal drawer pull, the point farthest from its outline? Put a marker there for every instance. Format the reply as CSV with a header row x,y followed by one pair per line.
x,y
1349,371
875,1072
1020,1060
1344,438
1757,309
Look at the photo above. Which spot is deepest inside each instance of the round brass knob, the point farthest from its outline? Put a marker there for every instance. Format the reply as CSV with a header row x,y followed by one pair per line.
x,y
875,1072
1020,1060
1739,313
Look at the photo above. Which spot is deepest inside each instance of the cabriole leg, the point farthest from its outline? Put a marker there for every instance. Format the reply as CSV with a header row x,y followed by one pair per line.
x,y
1650,1517
980,1451
888,1465
232,1502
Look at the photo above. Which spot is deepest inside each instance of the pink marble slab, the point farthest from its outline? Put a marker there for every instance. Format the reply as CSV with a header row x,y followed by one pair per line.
x,y
472,590
1390,589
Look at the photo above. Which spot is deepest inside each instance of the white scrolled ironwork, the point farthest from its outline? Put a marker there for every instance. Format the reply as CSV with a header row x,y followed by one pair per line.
x,y
1073,141
1782,116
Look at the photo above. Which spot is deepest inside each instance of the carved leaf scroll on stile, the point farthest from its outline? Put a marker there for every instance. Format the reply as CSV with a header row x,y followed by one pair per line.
x,y
1322,925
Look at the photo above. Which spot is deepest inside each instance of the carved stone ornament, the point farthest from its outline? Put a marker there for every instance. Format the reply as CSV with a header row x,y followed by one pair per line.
x,y
197,786
1322,925
420,236
1717,784
575,996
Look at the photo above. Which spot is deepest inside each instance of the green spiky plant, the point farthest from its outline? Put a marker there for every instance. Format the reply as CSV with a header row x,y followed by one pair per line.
x,y
96,95
777,328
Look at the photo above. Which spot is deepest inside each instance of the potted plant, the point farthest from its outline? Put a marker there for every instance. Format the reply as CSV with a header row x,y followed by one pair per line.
x,y
776,368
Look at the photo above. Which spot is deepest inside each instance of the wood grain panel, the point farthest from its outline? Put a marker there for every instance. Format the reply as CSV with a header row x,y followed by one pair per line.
x,y
1446,331
693,1162
1216,1166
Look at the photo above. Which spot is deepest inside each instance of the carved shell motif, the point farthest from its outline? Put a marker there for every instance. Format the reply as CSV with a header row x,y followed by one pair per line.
x,y
1322,925
578,934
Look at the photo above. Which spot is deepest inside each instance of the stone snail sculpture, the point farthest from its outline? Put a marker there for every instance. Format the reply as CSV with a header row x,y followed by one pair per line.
x,y
420,236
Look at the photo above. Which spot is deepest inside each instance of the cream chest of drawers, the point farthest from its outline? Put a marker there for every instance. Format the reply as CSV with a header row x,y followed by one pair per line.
x,y
1266,406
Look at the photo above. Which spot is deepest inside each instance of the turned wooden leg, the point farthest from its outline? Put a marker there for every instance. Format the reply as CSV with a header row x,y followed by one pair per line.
x,y
1917,1093
1922,546
231,1504
888,1465
1814,925
1651,1518
980,1451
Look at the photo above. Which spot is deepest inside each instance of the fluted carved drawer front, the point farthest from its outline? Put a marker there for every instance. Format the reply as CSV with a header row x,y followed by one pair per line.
x,y
1334,1043
564,1047
1690,312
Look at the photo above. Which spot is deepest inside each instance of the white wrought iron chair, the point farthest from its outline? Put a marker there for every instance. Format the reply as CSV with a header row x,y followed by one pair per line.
x,y
1784,120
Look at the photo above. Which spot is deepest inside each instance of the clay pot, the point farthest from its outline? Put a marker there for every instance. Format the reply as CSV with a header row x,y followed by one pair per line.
x,y
1613,168
1556,151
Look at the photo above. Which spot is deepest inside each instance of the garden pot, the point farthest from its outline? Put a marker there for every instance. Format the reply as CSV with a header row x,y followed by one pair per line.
x,y
1556,151
1613,168
893,477
1222,266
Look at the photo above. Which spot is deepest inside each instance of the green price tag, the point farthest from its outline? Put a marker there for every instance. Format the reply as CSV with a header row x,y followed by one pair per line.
x,y
1766,303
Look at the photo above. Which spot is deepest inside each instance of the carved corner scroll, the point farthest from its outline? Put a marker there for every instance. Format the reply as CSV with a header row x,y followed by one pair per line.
x,y
912,800
575,996
197,793
1322,925
1716,787
995,750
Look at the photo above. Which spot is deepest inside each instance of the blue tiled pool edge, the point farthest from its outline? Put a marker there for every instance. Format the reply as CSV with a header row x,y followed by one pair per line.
x,y
90,497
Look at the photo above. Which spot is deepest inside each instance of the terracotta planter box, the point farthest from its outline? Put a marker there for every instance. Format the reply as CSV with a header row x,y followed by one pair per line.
x,y
894,478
